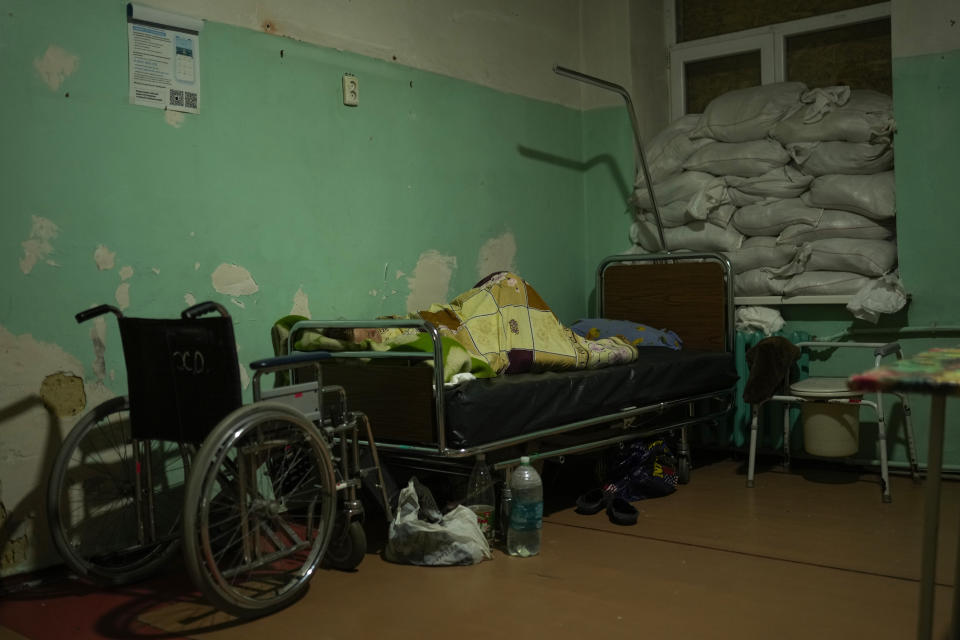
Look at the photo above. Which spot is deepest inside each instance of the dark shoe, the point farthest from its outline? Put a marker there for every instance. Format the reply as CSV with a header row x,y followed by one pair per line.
x,y
591,502
622,512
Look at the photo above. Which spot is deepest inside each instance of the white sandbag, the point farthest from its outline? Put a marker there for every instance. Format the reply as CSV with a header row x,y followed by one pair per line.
x,y
673,214
836,224
722,215
761,251
869,100
820,101
869,195
758,282
782,182
669,149
710,198
825,283
770,218
682,186
866,257
740,199
822,158
748,114
695,236
746,159
843,124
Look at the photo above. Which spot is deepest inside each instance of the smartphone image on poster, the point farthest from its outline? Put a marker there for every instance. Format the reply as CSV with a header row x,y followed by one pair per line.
x,y
184,70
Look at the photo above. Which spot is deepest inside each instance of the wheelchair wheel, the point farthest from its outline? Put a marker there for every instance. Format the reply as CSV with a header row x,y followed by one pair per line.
x,y
259,510
347,549
115,518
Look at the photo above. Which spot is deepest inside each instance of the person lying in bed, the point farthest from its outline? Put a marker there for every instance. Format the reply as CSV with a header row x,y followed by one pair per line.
x,y
504,323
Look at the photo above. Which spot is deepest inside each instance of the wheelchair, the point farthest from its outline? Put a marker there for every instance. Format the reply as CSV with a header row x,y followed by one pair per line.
x,y
257,496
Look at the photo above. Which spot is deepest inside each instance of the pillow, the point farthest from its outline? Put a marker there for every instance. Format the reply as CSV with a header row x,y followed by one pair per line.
x,y
639,335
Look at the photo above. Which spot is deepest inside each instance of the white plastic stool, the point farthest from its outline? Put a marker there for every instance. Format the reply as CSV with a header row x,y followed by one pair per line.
x,y
834,391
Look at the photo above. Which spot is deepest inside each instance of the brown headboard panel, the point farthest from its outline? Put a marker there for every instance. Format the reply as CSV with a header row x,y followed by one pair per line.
x,y
687,293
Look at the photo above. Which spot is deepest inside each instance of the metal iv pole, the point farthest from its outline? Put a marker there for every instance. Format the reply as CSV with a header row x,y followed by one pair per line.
x,y
609,86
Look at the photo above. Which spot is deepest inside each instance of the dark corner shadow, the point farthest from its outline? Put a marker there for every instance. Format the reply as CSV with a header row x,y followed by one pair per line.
x,y
623,186
33,501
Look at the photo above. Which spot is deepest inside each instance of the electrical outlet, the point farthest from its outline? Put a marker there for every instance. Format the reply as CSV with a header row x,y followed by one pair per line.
x,y
351,90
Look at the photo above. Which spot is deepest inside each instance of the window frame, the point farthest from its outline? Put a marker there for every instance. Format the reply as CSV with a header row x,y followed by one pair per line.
x,y
770,40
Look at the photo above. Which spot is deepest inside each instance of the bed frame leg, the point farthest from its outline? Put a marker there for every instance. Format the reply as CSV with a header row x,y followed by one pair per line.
x,y
754,426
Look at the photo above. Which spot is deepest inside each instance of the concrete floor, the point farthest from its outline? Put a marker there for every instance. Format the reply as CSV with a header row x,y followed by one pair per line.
x,y
812,553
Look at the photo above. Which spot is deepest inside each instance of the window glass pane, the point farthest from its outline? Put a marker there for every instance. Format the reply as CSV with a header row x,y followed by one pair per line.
x,y
858,56
704,18
707,79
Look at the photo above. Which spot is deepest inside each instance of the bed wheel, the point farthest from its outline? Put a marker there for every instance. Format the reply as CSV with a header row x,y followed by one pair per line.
x,y
683,470
346,551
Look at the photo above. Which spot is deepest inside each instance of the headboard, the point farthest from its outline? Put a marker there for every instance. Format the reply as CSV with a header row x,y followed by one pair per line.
x,y
689,293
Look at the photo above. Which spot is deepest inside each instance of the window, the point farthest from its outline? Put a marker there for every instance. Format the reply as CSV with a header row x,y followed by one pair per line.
x,y
720,47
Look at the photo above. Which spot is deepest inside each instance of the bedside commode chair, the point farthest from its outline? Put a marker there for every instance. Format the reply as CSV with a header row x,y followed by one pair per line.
x,y
829,410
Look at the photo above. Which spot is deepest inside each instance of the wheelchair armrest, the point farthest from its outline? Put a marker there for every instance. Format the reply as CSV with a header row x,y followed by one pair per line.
x,y
300,358
887,349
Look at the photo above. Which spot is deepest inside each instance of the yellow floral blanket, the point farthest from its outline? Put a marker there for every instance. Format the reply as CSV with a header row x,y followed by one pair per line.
x,y
505,321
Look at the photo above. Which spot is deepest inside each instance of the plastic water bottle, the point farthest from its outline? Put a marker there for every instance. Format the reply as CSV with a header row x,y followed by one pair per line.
x,y
526,511
481,497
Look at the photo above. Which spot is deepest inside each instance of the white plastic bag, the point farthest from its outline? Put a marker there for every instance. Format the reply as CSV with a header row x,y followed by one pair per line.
x,y
452,539
880,295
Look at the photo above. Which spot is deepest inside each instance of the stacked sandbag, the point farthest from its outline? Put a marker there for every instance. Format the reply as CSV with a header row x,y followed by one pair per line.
x,y
794,185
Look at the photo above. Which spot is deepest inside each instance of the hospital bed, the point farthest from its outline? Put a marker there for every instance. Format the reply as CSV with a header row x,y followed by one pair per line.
x,y
419,420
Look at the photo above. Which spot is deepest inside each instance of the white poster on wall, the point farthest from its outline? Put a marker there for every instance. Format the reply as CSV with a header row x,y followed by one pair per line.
x,y
164,51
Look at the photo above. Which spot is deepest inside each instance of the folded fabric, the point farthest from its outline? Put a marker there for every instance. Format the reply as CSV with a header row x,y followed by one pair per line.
x,y
634,333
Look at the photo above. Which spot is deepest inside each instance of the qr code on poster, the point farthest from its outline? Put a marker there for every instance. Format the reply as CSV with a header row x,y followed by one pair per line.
x,y
176,98
190,99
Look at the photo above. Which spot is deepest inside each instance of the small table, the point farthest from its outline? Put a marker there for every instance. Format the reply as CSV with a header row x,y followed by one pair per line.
x,y
936,373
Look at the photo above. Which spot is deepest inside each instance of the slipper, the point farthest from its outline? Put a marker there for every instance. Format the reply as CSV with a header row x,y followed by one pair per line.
x,y
622,512
591,502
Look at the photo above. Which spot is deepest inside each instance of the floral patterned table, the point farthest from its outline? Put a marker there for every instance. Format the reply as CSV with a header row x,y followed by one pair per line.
x,y
937,373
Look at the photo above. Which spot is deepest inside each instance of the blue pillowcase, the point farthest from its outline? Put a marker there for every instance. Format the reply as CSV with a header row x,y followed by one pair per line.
x,y
639,335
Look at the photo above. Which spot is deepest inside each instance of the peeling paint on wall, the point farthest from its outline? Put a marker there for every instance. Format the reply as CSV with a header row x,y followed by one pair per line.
x,y
55,65
126,272
238,303
155,270
174,118
190,299
497,254
14,550
196,265
104,258
233,280
30,431
123,295
301,304
430,280
98,335
37,246
63,392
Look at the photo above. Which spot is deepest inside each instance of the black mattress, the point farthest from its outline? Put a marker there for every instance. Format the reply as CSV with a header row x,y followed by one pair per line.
x,y
486,410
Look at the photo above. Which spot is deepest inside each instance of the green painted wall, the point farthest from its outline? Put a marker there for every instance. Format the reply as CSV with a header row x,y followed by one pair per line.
x,y
608,159
274,174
